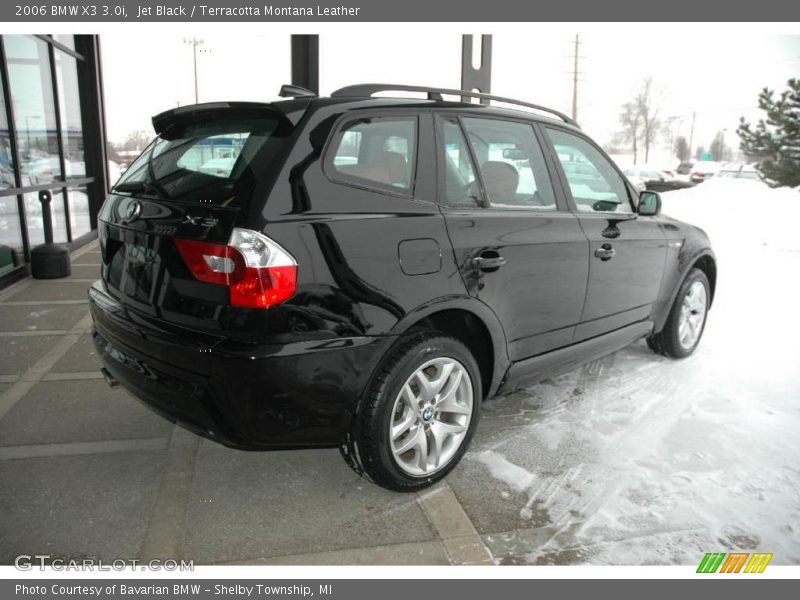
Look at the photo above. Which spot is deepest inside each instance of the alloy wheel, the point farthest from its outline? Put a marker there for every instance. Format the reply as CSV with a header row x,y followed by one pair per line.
x,y
431,416
692,315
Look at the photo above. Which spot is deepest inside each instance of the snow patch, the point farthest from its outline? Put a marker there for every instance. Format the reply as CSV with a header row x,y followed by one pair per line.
x,y
638,459
513,475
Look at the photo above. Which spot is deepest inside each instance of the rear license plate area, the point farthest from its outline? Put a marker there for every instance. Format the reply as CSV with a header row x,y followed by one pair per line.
x,y
141,266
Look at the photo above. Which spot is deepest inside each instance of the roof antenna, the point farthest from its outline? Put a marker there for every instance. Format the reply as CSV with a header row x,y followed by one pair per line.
x,y
295,91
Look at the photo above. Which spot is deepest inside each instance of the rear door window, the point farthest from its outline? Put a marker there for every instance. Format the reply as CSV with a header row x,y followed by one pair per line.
x,y
378,152
511,164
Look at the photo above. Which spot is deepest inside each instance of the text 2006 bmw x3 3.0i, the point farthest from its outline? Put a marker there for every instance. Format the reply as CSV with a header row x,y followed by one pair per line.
x,y
364,272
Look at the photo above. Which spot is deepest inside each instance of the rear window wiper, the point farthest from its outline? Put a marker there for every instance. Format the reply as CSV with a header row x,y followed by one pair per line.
x,y
153,181
138,187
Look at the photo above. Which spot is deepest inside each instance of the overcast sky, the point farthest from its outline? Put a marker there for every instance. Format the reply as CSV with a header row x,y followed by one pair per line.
x,y
711,71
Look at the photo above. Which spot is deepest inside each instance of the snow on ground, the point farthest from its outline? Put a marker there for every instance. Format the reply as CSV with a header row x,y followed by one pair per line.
x,y
639,459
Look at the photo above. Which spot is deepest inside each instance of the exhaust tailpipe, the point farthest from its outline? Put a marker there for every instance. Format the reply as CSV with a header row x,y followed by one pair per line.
x,y
109,378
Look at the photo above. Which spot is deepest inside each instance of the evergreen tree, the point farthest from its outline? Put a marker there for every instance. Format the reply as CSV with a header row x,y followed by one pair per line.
x,y
775,141
682,150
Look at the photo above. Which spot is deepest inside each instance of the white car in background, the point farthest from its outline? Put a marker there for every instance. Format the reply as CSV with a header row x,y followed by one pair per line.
x,y
739,171
704,170
640,183
657,180
218,167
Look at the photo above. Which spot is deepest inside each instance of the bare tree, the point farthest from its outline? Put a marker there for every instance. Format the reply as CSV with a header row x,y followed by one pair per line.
x,y
640,121
699,152
137,140
631,122
719,150
112,152
647,107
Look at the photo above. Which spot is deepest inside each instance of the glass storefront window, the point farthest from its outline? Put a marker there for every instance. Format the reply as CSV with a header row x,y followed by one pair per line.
x,y
10,229
33,214
34,108
6,153
41,117
78,201
10,234
70,111
67,39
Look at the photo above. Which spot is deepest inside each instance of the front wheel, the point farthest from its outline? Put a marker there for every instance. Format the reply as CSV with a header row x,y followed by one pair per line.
x,y
687,318
419,414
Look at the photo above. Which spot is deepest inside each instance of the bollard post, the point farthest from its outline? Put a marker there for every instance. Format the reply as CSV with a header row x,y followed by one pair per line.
x,y
45,197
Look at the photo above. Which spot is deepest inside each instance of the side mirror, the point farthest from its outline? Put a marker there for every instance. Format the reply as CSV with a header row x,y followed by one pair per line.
x,y
649,204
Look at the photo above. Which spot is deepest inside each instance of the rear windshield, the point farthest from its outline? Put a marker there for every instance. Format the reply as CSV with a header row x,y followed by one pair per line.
x,y
209,162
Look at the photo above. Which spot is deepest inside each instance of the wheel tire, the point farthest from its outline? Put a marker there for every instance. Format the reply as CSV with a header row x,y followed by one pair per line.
x,y
368,448
667,341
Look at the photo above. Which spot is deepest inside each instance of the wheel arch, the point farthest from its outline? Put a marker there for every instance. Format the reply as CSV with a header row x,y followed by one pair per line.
x,y
473,324
707,265
705,261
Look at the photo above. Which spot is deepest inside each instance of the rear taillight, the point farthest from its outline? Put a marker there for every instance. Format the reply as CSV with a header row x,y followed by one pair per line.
x,y
695,174
256,269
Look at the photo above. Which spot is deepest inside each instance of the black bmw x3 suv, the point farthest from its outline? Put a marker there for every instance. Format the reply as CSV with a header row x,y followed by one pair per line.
x,y
363,272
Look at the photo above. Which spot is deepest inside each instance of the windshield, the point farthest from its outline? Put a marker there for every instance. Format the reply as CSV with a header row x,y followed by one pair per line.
x,y
210,162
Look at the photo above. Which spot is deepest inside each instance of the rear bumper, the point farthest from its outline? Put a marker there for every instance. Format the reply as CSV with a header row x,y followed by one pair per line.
x,y
297,394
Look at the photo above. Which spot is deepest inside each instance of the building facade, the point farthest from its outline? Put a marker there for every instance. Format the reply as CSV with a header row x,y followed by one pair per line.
x,y
52,138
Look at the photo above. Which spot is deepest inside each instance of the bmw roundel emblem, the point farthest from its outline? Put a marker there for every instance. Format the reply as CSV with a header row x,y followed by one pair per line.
x,y
133,211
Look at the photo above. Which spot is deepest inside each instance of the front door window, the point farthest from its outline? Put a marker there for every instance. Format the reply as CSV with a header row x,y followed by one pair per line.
x,y
595,184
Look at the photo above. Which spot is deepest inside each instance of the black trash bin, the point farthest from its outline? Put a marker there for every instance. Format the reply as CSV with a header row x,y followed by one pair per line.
x,y
49,260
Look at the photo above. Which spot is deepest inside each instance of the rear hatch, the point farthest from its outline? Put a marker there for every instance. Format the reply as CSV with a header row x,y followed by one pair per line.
x,y
208,171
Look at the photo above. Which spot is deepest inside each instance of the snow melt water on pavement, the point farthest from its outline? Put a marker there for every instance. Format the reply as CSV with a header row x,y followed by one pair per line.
x,y
639,459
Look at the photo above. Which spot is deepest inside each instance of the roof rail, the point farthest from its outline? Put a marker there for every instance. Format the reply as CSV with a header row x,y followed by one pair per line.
x,y
365,90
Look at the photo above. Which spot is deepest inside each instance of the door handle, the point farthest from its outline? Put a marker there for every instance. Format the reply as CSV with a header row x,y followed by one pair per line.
x,y
488,263
605,252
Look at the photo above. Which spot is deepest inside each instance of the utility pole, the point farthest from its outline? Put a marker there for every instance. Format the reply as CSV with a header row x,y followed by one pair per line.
x,y
575,79
194,43
691,135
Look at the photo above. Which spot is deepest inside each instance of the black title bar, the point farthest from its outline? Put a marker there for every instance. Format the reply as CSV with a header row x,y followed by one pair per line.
x,y
219,11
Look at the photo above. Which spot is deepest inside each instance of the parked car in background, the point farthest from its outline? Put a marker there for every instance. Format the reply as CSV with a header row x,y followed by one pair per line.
x,y
667,172
638,182
373,304
657,180
739,171
704,170
38,170
218,167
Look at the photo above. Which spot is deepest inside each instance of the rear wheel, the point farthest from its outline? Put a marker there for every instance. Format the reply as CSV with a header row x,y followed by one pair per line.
x,y
687,318
419,414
